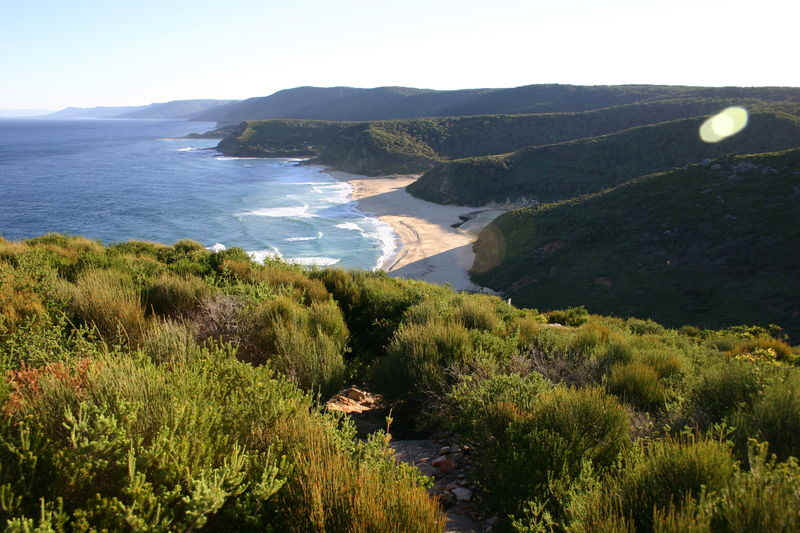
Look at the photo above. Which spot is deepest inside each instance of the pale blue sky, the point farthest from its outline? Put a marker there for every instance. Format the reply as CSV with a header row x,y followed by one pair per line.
x,y
85,53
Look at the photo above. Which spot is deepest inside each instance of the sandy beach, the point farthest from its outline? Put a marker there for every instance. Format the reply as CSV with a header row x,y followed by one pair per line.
x,y
431,249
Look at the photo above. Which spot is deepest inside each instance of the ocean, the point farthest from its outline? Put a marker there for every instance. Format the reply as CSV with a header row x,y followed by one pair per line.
x,y
118,180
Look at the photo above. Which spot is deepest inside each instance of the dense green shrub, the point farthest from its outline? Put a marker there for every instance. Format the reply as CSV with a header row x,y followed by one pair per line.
x,y
763,500
305,343
667,362
418,358
172,295
662,475
616,351
644,327
108,301
637,383
721,389
468,403
214,444
167,340
525,450
774,418
476,313
373,305
574,316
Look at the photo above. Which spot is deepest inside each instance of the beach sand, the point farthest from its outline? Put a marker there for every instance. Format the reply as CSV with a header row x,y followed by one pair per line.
x,y
431,250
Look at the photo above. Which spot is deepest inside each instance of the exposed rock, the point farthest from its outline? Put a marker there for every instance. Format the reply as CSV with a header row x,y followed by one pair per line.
x,y
444,464
462,494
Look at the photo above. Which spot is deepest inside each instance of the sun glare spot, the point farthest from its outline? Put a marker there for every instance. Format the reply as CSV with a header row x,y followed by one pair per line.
x,y
724,124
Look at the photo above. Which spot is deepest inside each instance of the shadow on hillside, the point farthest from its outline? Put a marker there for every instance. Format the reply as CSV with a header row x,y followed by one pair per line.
x,y
449,267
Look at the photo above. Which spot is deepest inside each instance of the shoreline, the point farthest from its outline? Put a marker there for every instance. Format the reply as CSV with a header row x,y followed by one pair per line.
x,y
435,240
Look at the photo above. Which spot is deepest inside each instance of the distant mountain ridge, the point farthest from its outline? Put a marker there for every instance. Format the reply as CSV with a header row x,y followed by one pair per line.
x,y
176,109
92,112
390,103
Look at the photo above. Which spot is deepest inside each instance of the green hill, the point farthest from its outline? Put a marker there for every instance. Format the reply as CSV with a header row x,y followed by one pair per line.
x,y
388,103
564,170
713,244
415,145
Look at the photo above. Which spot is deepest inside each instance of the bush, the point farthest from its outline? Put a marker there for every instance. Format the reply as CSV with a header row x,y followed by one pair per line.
x,y
775,418
777,349
311,290
574,316
172,295
638,326
528,327
659,480
138,248
638,384
304,343
526,450
614,352
722,389
210,444
430,310
475,313
763,500
168,341
373,305
418,357
667,362
331,491
108,301
185,246
467,405
18,298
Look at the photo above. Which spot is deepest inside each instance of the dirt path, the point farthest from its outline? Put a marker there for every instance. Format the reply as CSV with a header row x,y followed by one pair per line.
x,y
447,463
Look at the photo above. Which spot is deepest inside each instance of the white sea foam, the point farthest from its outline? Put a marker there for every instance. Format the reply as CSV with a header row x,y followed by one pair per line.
x,y
335,193
313,261
299,239
287,212
351,226
383,233
217,247
185,149
259,256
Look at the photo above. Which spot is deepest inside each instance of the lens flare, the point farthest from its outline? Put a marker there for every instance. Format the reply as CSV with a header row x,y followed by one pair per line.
x,y
724,124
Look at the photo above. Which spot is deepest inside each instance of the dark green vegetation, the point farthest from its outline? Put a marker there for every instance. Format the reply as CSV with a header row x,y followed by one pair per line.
x,y
589,141
712,245
569,169
388,103
168,388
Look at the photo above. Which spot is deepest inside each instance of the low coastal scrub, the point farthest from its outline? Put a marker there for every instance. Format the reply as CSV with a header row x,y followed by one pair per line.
x,y
153,387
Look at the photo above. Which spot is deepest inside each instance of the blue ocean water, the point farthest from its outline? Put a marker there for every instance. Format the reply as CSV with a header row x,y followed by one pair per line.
x,y
117,180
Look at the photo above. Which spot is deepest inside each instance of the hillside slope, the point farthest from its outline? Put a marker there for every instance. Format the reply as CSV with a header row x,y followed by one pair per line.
x,y
415,145
388,103
560,171
175,109
712,244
